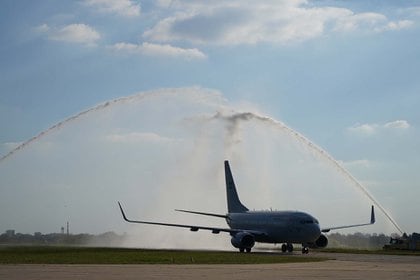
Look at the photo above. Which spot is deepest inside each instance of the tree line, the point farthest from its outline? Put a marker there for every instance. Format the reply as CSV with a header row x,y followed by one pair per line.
x,y
335,240
104,239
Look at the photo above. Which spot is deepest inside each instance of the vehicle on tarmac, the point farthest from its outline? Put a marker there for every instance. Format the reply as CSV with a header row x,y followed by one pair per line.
x,y
405,242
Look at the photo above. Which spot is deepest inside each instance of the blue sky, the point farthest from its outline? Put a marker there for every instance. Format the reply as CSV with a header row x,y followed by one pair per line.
x,y
342,73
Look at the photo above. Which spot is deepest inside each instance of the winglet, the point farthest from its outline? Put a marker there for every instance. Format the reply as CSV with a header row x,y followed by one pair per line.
x,y
372,216
122,212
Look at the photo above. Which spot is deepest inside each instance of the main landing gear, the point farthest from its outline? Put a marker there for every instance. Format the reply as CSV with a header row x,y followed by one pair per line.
x,y
248,250
287,247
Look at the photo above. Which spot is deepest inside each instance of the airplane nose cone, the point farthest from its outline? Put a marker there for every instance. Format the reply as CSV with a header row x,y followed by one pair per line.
x,y
316,231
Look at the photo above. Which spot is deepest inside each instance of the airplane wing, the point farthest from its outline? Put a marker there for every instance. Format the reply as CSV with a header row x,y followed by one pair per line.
x,y
372,221
214,230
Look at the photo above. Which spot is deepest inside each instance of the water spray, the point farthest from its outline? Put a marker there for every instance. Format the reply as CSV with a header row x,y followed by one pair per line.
x,y
107,104
232,119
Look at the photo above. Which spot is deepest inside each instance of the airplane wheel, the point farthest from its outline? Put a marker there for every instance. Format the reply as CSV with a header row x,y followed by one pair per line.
x,y
241,250
305,250
289,247
284,248
248,250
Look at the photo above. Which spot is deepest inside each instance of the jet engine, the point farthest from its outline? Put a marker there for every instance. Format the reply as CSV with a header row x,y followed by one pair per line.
x,y
321,242
243,240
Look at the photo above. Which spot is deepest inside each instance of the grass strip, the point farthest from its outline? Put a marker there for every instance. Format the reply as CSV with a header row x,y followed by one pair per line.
x,y
370,252
84,255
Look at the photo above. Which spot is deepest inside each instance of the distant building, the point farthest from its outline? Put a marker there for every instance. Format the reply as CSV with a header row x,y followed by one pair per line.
x,y
10,233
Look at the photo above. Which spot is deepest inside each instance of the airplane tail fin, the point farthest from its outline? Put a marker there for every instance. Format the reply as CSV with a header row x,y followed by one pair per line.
x,y
233,202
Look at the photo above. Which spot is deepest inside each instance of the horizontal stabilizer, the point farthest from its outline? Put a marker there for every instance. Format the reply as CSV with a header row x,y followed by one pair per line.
x,y
202,213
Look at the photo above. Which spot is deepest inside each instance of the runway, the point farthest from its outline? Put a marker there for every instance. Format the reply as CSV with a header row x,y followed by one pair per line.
x,y
343,266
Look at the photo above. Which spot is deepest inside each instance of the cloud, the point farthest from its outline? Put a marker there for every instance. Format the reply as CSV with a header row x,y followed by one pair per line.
x,y
125,8
370,22
398,124
352,22
151,49
43,28
250,22
365,129
78,33
394,26
371,129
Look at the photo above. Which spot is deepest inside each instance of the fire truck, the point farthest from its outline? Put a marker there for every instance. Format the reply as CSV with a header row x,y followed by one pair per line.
x,y
405,242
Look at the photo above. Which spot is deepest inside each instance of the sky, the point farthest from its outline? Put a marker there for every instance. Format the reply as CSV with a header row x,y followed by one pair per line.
x,y
342,73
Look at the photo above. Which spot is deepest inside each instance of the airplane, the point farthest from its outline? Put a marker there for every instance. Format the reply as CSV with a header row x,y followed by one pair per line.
x,y
247,227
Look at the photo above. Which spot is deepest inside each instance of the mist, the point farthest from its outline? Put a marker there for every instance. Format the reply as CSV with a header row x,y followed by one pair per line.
x,y
163,150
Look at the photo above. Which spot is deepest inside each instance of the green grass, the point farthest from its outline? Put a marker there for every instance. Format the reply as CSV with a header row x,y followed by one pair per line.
x,y
83,255
371,252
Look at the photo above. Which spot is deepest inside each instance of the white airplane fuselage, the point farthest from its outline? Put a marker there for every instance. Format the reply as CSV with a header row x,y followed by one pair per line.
x,y
278,226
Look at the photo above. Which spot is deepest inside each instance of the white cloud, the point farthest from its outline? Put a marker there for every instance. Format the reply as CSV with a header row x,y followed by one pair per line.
x,y
156,49
398,124
365,129
126,47
394,26
43,28
250,22
124,8
371,129
73,33
151,49
362,21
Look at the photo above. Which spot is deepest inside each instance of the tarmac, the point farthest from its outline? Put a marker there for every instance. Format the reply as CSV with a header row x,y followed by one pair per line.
x,y
342,266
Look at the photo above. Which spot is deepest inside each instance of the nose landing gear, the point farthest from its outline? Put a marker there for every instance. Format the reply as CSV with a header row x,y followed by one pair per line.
x,y
248,250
